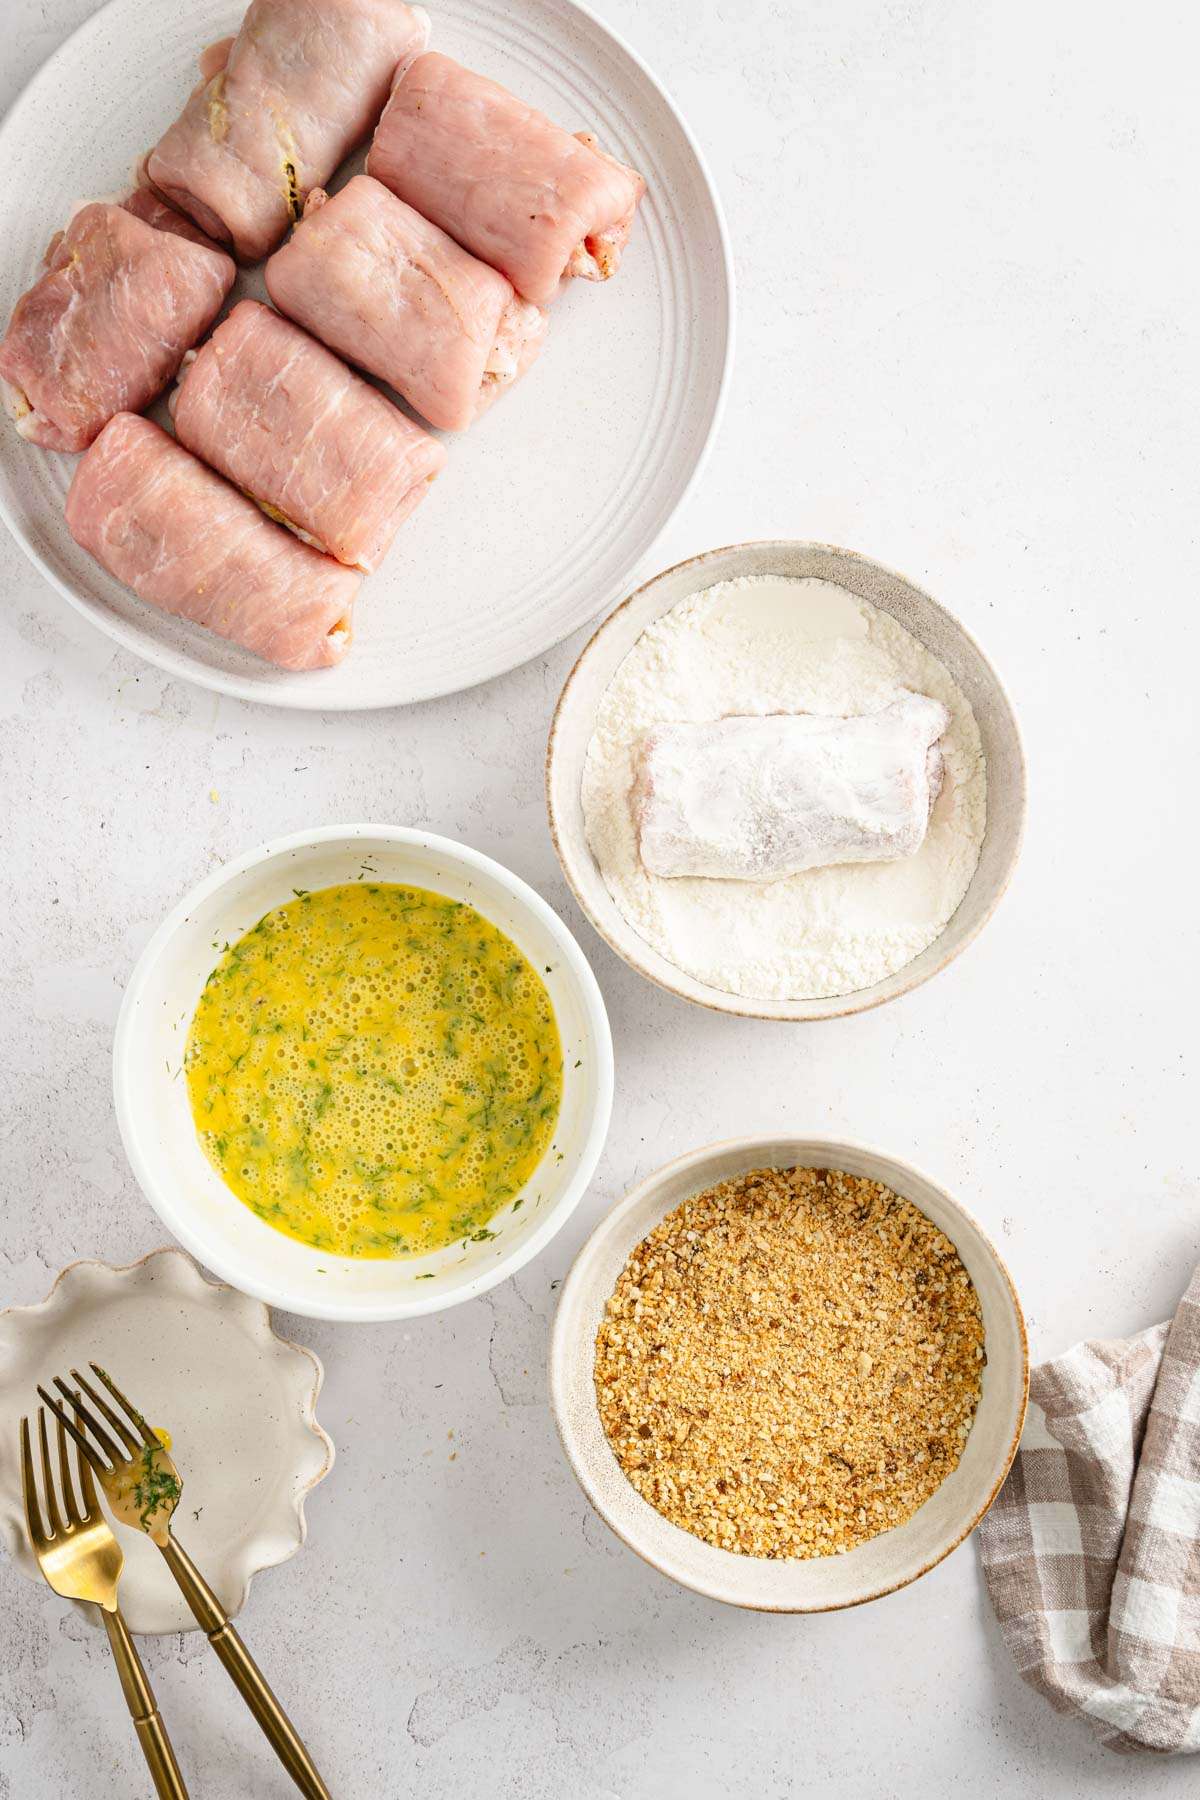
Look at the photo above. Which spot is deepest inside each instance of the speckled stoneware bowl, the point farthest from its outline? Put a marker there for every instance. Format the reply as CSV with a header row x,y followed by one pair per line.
x,y
823,1584
935,628
154,1112
205,1363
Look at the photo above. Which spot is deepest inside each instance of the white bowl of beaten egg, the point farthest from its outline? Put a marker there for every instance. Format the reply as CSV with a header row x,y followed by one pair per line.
x,y
759,632
363,1072
826,1373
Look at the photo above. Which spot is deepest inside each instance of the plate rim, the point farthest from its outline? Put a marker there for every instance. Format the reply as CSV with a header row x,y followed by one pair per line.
x,y
130,638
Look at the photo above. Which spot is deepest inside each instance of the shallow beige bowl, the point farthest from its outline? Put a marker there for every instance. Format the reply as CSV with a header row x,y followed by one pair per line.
x,y
575,719
889,1561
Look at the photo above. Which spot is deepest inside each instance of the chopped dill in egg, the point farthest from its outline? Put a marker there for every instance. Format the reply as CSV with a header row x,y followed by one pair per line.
x,y
157,1487
375,1070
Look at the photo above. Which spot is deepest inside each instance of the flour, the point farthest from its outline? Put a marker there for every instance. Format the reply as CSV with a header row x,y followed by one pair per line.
x,y
765,644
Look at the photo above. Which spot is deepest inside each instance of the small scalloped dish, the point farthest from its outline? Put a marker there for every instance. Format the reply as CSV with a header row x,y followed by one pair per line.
x,y
204,1363
879,1565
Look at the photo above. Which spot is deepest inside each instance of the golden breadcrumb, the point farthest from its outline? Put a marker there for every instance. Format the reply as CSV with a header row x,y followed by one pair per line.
x,y
790,1362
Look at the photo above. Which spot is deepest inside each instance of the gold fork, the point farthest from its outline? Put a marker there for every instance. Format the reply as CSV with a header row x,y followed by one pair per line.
x,y
143,1487
82,1560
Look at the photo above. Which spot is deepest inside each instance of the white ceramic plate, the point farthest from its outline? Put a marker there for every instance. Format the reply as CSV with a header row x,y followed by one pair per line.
x,y
549,504
575,720
203,1362
823,1584
155,1116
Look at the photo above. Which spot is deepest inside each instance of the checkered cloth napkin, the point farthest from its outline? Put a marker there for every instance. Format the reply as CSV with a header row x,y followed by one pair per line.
x,y
1091,1553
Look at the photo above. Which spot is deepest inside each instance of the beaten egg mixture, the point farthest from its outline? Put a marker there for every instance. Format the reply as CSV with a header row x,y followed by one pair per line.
x,y
375,1070
144,1492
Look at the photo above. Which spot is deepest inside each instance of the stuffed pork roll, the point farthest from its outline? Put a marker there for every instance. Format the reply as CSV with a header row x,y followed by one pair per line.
x,y
145,204
276,110
107,326
318,447
378,283
188,542
758,798
522,193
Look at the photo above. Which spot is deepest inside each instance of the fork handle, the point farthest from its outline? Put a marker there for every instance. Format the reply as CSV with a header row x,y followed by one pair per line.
x,y
244,1672
143,1710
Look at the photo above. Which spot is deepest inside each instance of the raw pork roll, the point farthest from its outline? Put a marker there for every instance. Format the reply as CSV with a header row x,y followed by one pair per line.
x,y
318,447
186,541
754,799
370,277
526,196
106,327
145,204
276,110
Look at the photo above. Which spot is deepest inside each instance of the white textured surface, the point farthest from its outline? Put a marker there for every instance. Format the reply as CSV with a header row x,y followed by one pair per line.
x,y
970,347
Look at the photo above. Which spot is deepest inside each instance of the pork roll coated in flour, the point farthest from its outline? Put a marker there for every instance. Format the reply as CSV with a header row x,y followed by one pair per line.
x,y
522,193
188,542
755,799
378,283
276,110
107,326
316,445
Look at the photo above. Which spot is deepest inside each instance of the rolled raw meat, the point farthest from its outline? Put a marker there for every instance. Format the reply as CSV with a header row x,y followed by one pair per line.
x,y
318,447
754,799
188,542
374,280
522,193
145,204
106,327
276,110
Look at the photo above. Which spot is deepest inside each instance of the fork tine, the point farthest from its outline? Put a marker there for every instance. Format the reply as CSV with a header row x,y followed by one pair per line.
x,y
74,1516
122,1430
87,1484
33,1519
115,1455
101,1468
149,1436
51,1498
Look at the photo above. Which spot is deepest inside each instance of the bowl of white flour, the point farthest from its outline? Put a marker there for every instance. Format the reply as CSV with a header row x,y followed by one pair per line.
x,y
757,630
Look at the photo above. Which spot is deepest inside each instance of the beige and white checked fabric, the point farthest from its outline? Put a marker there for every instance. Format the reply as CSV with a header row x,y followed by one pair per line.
x,y
1091,1552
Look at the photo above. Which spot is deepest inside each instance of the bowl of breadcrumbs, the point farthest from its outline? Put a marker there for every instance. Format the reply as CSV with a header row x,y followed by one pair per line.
x,y
790,1373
